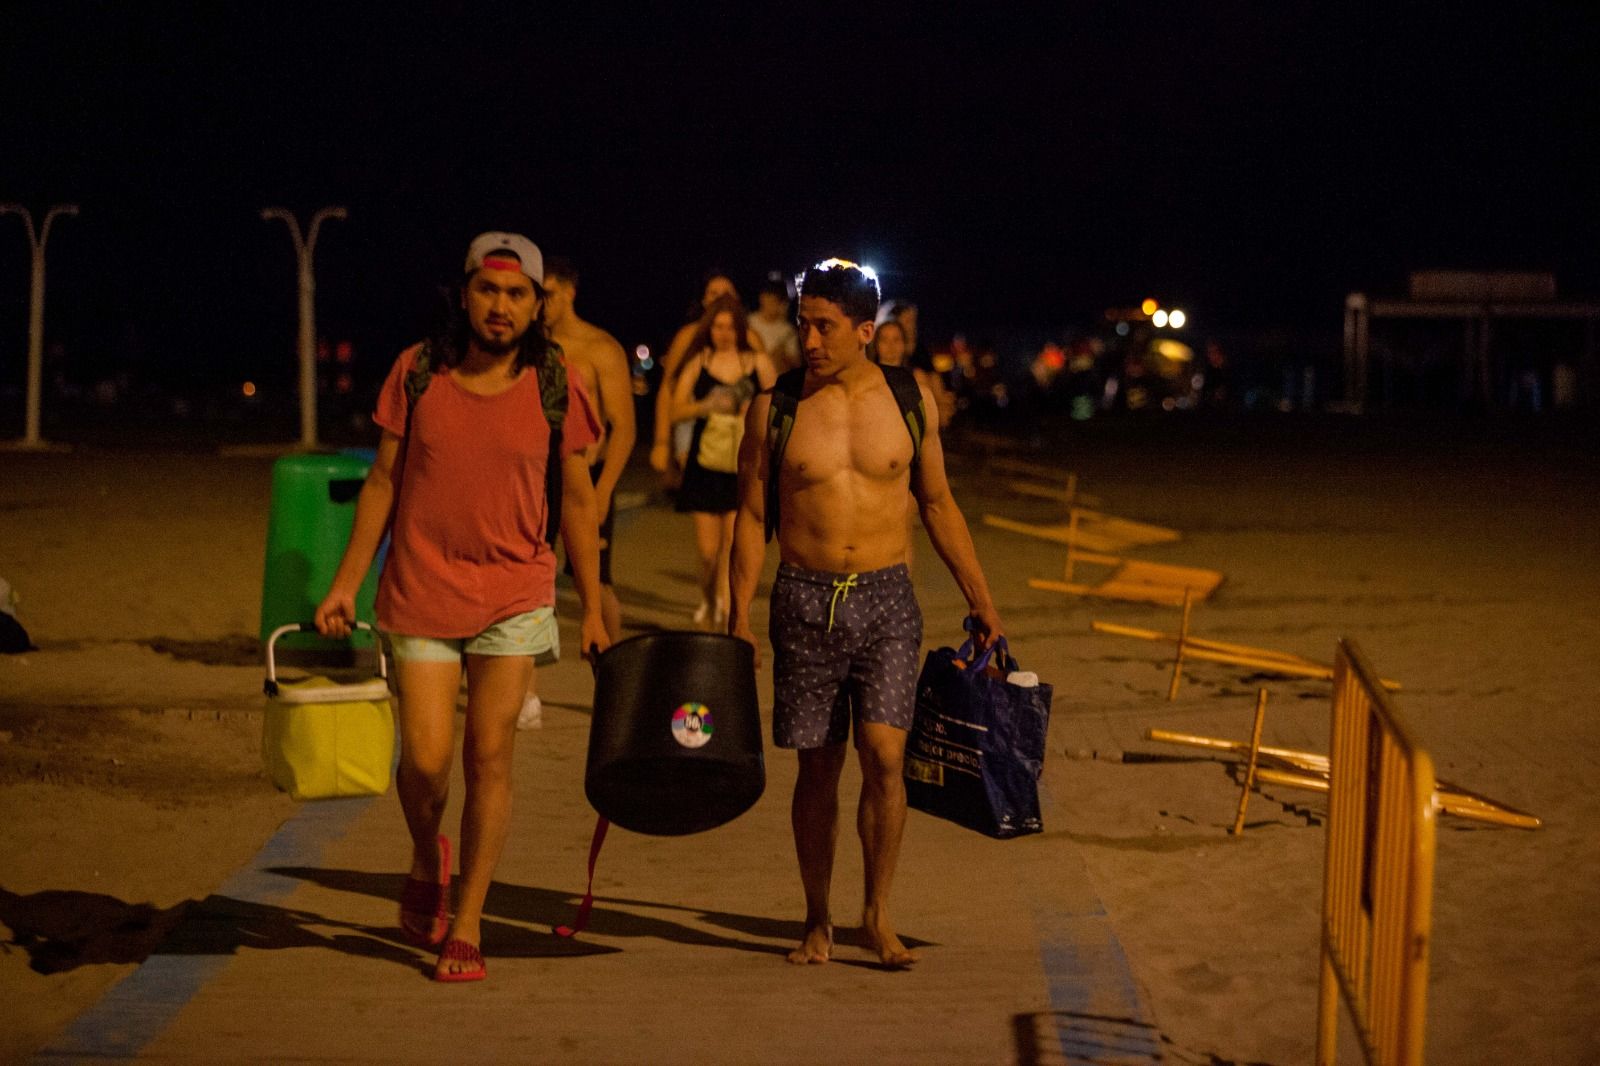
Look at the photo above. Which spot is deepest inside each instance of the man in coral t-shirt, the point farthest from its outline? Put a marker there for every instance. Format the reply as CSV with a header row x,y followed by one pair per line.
x,y
459,479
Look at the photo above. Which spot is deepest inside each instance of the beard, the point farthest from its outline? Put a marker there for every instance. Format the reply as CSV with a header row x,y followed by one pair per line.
x,y
495,345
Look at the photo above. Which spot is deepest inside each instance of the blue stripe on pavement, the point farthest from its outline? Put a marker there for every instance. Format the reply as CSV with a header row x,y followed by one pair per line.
x,y
1093,996
133,1013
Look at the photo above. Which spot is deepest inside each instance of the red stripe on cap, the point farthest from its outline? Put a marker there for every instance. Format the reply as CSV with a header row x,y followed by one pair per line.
x,y
495,262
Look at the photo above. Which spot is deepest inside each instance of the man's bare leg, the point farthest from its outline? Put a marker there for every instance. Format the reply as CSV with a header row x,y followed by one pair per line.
x,y
495,687
814,815
881,821
427,744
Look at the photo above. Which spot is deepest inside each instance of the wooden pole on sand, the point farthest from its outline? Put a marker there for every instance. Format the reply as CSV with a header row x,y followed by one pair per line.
x,y
1250,769
1183,645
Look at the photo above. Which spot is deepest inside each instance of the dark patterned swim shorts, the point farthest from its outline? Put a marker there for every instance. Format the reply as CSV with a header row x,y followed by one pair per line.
x,y
842,644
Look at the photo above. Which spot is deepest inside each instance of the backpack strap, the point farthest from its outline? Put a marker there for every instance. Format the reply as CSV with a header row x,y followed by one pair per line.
x,y
786,403
418,378
780,423
553,394
908,395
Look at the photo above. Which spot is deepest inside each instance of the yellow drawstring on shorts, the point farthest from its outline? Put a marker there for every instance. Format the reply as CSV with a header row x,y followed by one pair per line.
x,y
841,590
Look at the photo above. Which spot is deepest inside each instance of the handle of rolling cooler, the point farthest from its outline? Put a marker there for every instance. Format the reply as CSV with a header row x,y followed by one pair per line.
x,y
601,824
270,685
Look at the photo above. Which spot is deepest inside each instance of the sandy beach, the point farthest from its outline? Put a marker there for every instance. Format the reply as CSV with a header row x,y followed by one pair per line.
x,y
1461,557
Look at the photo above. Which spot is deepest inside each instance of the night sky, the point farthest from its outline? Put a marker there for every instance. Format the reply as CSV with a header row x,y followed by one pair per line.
x,y
1253,162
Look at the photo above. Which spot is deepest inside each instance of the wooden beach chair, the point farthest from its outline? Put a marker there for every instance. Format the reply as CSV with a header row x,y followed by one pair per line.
x,y
1134,580
1262,660
1092,531
1044,483
1308,770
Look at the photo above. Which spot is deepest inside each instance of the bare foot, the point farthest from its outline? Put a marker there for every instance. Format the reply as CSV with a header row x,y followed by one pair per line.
x,y
891,952
816,946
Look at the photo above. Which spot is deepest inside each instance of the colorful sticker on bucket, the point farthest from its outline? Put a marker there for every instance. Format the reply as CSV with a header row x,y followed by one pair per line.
x,y
691,725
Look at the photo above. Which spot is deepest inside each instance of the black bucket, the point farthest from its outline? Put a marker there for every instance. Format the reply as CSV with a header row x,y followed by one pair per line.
x,y
675,746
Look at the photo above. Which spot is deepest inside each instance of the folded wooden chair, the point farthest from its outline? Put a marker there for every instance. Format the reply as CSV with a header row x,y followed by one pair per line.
x,y
1093,531
1135,580
1130,579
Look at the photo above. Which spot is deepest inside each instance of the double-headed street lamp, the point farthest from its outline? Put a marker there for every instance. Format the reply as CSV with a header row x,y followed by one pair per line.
x,y
37,240
304,250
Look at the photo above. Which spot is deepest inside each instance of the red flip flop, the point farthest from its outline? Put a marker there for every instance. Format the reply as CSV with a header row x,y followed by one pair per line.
x,y
461,951
427,901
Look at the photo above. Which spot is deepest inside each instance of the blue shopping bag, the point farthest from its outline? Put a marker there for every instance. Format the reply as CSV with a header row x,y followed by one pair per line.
x,y
976,748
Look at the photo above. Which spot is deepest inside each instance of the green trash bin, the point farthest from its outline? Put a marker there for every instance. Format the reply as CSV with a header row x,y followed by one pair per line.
x,y
313,508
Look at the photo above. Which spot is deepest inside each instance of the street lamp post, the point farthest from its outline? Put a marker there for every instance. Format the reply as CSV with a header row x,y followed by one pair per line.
x,y
304,250
37,241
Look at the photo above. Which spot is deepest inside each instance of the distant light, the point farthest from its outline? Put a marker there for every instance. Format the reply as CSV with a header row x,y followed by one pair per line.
x,y
248,388
1122,329
1176,319
642,353
1149,306
646,363
1159,318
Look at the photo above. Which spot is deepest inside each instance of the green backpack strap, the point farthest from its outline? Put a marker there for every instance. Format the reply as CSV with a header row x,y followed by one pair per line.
x,y
786,403
908,395
418,378
553,393
552,396
780,423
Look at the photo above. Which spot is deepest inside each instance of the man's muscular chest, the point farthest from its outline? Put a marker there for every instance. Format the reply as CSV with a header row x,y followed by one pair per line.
x,y
835,435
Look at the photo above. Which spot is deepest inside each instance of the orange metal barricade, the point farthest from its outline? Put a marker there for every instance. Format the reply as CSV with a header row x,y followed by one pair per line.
x,y
1377,894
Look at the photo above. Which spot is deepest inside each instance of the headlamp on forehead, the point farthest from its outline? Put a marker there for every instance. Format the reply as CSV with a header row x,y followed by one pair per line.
x,y
835,263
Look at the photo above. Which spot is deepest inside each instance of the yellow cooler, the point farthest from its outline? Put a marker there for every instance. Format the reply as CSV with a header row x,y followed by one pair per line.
x,y
323,739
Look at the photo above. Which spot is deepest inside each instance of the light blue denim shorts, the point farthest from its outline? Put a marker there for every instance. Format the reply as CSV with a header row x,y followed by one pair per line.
x,y
532,633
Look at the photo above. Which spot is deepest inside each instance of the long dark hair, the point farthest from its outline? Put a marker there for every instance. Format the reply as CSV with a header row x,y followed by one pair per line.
x,y
450,345
741,324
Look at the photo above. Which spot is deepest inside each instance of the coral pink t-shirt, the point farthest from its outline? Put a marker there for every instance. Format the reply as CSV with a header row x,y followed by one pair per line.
x,y
467,545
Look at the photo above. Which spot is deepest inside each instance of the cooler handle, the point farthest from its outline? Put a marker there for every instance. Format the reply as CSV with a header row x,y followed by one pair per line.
x,y
270,685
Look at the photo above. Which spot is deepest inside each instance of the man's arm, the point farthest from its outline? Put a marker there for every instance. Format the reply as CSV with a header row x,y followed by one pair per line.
x,y
671,364
766,370
580,529
948,531
612,377
337,611
749,524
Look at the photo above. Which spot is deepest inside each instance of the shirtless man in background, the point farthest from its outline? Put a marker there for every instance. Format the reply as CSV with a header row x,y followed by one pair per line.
x,y
845,627
596,357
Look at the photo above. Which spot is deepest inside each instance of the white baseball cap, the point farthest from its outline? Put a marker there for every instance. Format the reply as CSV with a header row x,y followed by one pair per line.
x,y
485,245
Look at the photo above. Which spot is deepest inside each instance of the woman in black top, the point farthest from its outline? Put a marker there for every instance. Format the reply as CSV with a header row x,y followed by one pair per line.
x,y
720,378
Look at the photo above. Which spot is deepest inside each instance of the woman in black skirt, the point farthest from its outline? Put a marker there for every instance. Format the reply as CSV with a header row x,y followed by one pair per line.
x,y
715,387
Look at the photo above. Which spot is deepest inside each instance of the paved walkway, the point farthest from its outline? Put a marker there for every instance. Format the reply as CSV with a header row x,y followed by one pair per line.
x,y
297,957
